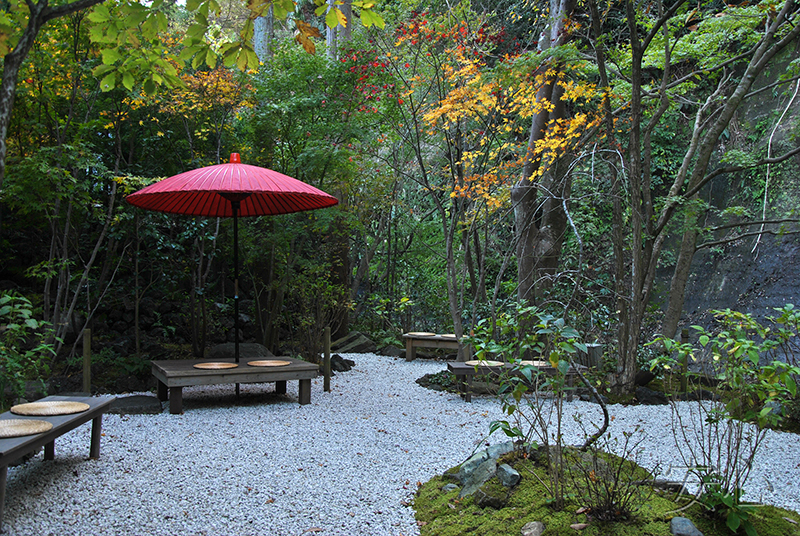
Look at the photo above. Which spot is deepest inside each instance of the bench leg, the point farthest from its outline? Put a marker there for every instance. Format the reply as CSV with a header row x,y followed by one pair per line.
x,y
411,350
50,450
468,392
280,387
3,476
94,446
162,391
305,392
176,400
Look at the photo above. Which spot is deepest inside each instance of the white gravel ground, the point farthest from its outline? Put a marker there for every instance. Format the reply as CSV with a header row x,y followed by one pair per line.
x,y
346,464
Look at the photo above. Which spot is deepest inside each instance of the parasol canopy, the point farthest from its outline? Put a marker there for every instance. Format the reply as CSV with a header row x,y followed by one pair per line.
x,y
231,190
211,191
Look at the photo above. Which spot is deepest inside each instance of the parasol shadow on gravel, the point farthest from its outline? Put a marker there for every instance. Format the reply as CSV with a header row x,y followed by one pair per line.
x,y
231,190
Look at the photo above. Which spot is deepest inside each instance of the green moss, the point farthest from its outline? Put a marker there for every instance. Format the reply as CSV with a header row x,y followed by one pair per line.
x,y
441,513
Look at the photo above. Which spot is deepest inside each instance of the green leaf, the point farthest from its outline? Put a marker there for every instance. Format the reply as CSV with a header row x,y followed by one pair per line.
x,y
128,80
199,58
100,14
211,59
331,19
111,56
703,340
108,82
282,8
733,521
150,87
32,323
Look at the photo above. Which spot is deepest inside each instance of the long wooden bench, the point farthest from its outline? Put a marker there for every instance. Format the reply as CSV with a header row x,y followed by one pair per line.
x,y
416,340
174,375
465,372
14,448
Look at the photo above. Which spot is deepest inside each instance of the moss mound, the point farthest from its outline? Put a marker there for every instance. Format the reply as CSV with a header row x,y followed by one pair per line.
x,y
440,512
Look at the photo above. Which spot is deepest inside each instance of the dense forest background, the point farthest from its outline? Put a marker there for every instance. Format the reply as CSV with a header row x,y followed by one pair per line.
x,y
625,166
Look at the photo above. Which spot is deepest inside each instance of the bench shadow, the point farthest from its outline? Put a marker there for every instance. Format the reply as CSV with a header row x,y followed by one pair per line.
x,y
252,394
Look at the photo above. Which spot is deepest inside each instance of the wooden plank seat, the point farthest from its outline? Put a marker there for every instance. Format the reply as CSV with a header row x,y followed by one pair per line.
x,y
14,448
465,373
174,375
416,340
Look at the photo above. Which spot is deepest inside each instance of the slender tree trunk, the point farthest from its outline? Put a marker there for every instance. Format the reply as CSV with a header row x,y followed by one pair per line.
x,y
680,275
264,35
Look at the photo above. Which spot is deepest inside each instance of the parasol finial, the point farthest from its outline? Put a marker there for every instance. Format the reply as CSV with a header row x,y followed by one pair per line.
x,y
235,158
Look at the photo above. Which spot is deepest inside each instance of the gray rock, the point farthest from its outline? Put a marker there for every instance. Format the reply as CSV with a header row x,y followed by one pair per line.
x,y
354,343
248,350
534,528
447,488
643,377
649,397
680,526
477,478
393,351
495,451
589,397
469,466
490,497
340,364
136,405
508,476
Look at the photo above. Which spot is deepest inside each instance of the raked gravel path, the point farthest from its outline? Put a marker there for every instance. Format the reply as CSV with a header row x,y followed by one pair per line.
x,y
346,464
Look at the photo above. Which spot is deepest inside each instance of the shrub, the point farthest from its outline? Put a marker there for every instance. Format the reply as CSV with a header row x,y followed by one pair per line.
x,y
718,438
23,352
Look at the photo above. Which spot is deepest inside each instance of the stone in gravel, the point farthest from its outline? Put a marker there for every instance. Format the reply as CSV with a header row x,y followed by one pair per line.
x,y
588,397
447,488
249,350
648,397
340,364
136,405
508,476
534,528
680,526
393,351
354,343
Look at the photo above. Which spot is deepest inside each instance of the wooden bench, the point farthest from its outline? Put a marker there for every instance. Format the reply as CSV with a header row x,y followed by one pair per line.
x,y
173,376
419,340
465,372
14,448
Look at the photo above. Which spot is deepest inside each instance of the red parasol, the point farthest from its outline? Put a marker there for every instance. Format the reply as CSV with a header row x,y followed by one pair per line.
x,y
232,189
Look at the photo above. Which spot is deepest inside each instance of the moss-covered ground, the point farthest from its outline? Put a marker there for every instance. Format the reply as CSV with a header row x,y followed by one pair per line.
x,y
442,513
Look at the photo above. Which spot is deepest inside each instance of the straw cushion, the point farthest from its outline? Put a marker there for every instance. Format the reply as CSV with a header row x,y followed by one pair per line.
x,y
422,334
483,363
536,363
269,363
215,366
22,427
50,407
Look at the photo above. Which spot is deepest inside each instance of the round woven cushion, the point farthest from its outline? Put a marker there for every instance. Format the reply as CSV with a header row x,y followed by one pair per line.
x,y
50,407
22,427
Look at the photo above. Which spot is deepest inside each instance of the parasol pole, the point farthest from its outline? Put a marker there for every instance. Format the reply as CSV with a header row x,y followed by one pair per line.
x,y
235,210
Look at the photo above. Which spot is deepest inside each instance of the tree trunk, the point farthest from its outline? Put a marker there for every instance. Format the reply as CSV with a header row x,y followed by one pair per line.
x,y
677,289
540,225
264,34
